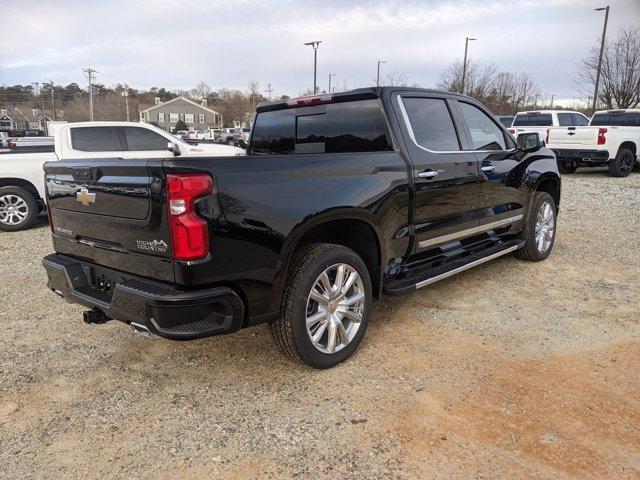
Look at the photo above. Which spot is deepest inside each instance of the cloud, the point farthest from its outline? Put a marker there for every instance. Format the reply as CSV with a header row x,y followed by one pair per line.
x,y
176,44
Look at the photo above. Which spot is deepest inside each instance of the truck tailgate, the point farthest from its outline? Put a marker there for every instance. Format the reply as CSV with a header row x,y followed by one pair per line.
x,y
111,212
573,137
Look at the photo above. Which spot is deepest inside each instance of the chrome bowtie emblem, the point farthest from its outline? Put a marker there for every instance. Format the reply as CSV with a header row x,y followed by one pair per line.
x,y
85,197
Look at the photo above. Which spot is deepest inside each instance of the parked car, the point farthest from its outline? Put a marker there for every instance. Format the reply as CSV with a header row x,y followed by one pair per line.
x,y
506,120
612,138
342,197
242,137
182,134
540,121
6,141
22,180
227,136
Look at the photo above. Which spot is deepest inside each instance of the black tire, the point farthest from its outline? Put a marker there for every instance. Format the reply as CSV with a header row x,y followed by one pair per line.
x,y
289,330
623,164
530,251
567,167
7,223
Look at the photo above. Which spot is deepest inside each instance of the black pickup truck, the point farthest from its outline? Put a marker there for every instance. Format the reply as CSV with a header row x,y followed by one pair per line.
x,y
340,198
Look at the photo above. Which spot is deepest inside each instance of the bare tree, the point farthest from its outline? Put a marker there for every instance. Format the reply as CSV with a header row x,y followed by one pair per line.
x,y
201,90
502,92
254,94
620,74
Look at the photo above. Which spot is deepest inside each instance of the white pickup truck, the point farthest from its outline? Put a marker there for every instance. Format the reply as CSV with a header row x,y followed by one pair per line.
x,y
540,121
22,179
612,138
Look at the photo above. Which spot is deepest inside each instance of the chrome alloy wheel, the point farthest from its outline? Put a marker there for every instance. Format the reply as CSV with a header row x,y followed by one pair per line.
x,y
13,210
545,226
334,308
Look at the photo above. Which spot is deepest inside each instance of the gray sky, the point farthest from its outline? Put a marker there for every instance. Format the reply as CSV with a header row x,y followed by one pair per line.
x,y
175,44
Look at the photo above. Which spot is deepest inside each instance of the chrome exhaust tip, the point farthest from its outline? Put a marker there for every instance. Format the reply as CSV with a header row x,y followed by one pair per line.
x,y
142,330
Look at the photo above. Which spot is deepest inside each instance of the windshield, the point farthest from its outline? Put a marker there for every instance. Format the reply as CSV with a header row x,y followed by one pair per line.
x,y
533,120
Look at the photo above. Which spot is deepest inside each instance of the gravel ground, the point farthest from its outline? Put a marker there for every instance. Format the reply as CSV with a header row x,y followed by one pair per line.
x,y
510,370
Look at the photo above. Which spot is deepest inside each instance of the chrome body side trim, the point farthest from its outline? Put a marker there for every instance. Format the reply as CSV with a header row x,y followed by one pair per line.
x,y
429,281
469,232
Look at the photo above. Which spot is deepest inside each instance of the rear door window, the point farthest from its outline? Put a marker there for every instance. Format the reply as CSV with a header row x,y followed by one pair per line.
x,y
431,123
579,120
565,119
483,131
142,139
95,139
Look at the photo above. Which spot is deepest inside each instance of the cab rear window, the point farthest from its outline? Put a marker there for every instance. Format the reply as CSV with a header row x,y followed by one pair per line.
x,y
622,119
533,120
357,126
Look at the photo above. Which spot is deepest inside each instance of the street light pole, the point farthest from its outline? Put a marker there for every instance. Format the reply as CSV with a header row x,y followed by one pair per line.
x,y
315,45
378,75
330,75
464,65
604,33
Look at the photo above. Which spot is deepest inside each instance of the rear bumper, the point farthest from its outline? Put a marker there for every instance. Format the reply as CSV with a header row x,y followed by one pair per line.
x,y
164,310
593,157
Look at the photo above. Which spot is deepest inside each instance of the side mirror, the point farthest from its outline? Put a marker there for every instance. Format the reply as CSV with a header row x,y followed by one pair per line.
x,y
174,147
529,142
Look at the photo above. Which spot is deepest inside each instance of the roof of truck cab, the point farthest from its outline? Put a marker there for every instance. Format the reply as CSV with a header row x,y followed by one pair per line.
x,y
356,94
104,124
619,110
531,112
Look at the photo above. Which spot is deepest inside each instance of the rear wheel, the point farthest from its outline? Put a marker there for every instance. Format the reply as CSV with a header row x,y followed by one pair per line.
x,y
566,167
540,230
326,306
622,165
18,209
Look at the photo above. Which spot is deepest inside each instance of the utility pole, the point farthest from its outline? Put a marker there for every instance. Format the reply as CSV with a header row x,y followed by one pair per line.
x,y
604,33
330,75
89,74
44,123
269,89
125,93
552,97
464,65
315,44
53,103
378,74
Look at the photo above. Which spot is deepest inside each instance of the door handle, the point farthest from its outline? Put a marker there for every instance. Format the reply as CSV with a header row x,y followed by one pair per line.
x,y
428,174
487,168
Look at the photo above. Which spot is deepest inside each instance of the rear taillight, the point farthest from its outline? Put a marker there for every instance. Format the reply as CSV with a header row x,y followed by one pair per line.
x,y
12,144
512,131
546,138
189,234
601,138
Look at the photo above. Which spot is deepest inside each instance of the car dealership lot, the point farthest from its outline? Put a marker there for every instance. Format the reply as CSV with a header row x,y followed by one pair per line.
x,y
508,370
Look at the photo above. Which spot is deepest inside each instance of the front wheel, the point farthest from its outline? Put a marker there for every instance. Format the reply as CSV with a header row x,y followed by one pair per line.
x,y
326,306
540,230
18,209
622,165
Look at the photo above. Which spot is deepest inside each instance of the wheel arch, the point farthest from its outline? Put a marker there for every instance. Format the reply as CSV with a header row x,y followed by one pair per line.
x,y
22,183
353,228
551,184
629,145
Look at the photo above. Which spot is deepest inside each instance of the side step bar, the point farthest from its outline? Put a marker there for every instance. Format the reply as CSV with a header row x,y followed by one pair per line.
x,y
445,271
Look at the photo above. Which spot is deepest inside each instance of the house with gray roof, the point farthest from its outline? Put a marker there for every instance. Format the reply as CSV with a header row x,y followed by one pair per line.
x,y
197,116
